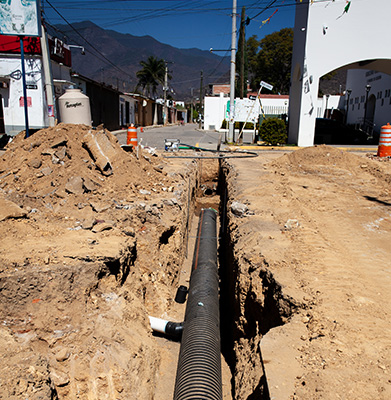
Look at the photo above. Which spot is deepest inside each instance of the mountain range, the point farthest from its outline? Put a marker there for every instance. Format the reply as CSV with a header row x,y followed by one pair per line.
x,y
114,58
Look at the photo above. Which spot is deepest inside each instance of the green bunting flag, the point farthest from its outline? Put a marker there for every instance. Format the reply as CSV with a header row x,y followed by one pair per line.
x,y
347,6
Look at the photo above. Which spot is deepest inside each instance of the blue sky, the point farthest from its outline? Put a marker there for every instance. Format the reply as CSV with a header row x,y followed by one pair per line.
x,y
185,24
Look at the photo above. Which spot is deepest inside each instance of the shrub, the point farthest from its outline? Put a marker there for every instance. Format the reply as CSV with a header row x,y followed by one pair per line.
x,y
249,125
273,131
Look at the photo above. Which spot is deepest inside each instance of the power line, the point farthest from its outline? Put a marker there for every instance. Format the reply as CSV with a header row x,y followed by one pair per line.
x,y
90,44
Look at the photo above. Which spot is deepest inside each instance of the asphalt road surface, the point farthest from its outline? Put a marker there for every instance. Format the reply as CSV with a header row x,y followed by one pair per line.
x,y
187,134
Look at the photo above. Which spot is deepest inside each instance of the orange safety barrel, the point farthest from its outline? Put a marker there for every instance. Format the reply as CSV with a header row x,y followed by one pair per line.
x,y
384,149
132,136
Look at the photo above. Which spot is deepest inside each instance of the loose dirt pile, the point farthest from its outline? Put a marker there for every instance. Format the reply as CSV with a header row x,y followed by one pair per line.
x,y
311,266
54,179
91,243
93,239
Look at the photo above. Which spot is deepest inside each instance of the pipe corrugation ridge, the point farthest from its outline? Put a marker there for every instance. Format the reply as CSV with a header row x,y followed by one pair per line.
x,y
199,365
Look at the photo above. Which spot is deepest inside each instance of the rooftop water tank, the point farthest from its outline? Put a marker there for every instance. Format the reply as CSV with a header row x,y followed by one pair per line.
x,y
74,107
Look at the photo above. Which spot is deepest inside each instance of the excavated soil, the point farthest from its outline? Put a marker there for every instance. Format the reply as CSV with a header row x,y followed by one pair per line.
x,y
311,275
86,255
90,247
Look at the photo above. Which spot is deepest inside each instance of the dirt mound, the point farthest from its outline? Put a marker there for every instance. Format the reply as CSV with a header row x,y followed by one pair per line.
x,y
58,161
328,160
313,157
70,178
91,244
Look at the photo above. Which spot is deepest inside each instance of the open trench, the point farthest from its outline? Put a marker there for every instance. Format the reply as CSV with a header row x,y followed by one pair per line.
x,y
251,301
80,330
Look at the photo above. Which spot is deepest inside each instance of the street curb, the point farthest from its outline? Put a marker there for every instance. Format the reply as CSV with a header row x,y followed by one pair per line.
x,y
294,148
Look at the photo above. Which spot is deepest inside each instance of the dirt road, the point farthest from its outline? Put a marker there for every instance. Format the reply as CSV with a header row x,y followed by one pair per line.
x,y
87,253
319,222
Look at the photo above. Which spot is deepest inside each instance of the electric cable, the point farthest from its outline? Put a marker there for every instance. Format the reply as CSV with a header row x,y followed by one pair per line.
x,y
221,154
92,46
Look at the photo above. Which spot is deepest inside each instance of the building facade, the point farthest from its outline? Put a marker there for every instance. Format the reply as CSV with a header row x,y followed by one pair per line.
x,y
330,35
11,85
368,99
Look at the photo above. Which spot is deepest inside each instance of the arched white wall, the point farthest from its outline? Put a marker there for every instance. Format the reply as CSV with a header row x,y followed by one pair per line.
x,y
327,38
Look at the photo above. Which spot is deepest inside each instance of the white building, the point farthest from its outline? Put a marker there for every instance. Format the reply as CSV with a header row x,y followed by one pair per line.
x,y
330,35
369,96
215,107
11,94
40,108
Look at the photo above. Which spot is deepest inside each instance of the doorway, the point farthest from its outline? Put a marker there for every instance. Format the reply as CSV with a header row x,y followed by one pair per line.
x,y
2,125
371,107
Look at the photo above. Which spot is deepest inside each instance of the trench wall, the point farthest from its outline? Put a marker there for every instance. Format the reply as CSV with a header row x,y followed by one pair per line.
x,y
252,301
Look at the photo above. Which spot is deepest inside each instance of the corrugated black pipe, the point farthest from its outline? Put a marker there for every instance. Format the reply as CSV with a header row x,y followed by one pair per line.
x,y
199,366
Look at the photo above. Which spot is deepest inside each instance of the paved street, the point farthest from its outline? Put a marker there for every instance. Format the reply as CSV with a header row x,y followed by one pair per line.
x,y
188,134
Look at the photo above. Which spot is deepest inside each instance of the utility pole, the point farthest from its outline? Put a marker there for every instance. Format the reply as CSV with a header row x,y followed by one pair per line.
x,y
191,107
26,115
242,48
230,138
241,58
165,95
201,97
49,87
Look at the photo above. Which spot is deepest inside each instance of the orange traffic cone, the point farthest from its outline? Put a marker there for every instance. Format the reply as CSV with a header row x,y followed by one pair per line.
x,y
384,149
132,136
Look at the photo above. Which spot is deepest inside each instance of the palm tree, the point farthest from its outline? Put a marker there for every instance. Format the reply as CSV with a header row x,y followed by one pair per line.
x,y
151,75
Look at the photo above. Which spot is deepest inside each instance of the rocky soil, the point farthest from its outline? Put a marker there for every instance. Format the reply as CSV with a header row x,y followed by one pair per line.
x,y
310,275
87,253
94,239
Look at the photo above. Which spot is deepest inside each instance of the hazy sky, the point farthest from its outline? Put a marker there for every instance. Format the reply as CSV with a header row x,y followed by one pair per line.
x,y
185,24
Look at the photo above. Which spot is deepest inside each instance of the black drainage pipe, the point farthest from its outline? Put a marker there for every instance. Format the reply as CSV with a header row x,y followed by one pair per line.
x,y
199,366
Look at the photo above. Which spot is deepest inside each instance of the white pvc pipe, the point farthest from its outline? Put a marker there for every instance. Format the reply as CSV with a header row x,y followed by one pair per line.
x,y
158,325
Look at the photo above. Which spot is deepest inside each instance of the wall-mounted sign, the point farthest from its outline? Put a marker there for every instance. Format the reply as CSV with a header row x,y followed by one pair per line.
x,y
58,48
21,102
17,74
20,17
266,85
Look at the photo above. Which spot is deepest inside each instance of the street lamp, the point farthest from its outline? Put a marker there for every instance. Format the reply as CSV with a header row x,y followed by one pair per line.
x,y
77,47
165,88
348,92
191,111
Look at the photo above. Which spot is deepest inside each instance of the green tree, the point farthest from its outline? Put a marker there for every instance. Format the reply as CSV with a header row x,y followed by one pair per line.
x,y
252,45
151,75
274,60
